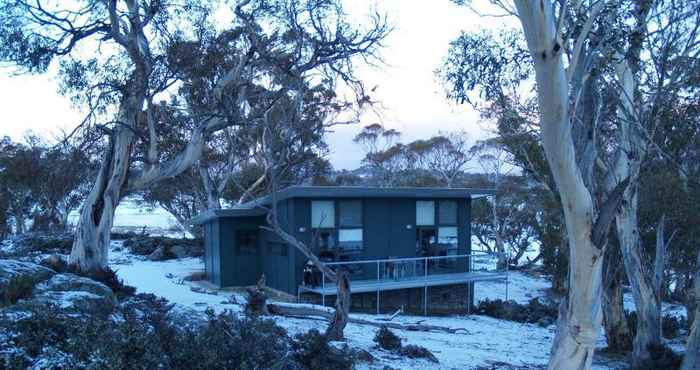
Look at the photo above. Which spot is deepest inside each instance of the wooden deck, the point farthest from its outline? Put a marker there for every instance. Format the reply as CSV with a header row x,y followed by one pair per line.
x,y
364,286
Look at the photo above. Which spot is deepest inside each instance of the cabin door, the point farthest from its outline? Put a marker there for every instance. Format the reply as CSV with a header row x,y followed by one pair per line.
x,y
426,240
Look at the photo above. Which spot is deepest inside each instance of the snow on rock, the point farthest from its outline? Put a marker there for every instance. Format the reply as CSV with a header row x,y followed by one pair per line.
x,y
12,270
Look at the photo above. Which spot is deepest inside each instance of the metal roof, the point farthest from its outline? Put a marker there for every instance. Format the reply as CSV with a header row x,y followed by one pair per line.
x,y
231,212
257,207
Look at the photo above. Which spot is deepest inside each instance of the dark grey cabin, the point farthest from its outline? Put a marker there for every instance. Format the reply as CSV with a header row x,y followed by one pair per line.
x,y
341,225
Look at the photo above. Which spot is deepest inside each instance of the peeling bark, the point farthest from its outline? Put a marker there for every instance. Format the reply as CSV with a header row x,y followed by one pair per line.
x,y
342,308
617,332
691,361
580,315
92,234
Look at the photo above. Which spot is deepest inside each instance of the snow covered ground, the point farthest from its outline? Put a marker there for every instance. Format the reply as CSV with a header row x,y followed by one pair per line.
x,y
483,342
131,216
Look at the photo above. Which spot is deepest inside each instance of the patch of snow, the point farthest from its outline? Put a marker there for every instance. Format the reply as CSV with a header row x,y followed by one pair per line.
x,y
671,309
165,279
521,288
486,340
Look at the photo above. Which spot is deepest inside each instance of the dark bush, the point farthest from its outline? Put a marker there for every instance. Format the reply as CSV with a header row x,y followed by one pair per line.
x,y
142,335
386,339
670,325
171,247
56,263
532,312
34,244
17,288
109,277
413,351
662,358
313,351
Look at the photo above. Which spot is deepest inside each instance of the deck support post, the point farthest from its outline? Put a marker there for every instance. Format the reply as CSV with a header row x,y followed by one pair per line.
x,y
377,287
425,289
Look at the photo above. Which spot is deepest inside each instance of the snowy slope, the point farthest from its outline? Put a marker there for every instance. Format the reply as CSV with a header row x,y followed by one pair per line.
x,y
487,341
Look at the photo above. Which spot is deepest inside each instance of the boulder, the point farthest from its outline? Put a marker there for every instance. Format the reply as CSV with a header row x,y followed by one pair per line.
x,y
157,255
12,271
178,251
73,292
72,282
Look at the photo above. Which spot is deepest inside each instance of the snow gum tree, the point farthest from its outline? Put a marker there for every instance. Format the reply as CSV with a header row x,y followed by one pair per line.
x,y
164,64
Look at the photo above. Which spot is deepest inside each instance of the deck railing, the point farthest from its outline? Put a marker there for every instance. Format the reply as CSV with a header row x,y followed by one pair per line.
x,y
414,269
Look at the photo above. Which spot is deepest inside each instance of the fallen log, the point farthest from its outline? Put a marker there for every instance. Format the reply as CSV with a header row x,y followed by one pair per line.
x,y
309,312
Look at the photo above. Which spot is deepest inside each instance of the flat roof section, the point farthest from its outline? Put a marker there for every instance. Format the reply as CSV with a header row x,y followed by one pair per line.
x,y
257,206
300,191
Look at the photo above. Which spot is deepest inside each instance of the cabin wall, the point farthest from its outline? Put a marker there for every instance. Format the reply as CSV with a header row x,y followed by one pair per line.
x,y
239,267
389,230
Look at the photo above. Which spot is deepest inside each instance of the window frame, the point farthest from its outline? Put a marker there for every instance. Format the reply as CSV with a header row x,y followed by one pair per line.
x,y
245,251
335,230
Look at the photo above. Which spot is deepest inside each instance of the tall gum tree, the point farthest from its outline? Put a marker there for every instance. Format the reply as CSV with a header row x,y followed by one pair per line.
x,y
144,64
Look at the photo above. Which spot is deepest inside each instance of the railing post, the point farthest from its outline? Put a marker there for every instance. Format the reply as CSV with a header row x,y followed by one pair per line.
x,y
425,288
378,282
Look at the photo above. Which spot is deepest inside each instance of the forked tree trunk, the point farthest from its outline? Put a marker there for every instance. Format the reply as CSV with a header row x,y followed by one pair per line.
x,y
644,282
614,321
342,308
647,299
580,313
691,361
92,234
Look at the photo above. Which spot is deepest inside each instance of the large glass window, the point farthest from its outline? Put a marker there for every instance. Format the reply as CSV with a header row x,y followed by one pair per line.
x,y
447,238
350,239
447,212
350,213
322,214
350,225
425,213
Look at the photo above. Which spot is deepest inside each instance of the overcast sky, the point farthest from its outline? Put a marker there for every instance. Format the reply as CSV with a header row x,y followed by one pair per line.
x,y
412,98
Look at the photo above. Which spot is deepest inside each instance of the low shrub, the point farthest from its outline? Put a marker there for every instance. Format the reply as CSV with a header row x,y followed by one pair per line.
x,y
532,312
109,277
33,244
313,351
414,351
17,288
144,245
670,325
141,334
662,358
386,339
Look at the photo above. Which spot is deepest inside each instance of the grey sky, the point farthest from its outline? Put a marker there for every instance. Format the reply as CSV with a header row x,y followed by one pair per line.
x,y
413,100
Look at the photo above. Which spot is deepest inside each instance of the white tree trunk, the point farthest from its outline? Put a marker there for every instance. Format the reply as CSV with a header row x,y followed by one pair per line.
x,y
580,314
92,234
691,361
647,297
